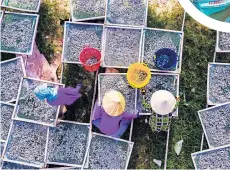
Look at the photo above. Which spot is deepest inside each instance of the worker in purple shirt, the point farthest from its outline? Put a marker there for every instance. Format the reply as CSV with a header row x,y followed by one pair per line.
x,y
58,96
111,119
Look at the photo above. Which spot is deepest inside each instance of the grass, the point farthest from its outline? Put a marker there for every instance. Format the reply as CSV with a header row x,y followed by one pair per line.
x,y
199,45
49,28
75,74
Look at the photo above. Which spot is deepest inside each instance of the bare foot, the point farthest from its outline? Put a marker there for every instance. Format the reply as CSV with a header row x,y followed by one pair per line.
x,y
111,70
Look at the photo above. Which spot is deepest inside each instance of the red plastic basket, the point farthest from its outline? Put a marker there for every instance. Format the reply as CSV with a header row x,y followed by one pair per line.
x,y
88,53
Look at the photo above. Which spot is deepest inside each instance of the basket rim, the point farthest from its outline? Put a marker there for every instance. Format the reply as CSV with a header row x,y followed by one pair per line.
x,y
143,83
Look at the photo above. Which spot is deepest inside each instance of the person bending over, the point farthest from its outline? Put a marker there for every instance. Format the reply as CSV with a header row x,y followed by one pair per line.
x,y
111,119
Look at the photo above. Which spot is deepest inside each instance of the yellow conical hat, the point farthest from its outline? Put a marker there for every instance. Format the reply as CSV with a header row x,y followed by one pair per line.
x,y
113,103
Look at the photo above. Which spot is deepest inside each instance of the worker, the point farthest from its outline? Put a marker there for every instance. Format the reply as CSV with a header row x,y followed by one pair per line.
x,y
58,96
163,104
111,119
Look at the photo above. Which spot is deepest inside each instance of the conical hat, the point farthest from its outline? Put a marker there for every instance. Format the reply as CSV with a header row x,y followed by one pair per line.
x,y
163,102
113,103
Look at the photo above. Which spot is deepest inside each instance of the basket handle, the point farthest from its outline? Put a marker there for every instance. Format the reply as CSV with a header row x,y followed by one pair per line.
x,y
145,64
154,58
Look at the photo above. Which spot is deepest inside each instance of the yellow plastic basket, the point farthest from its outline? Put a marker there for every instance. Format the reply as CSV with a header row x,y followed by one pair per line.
x,y
138,75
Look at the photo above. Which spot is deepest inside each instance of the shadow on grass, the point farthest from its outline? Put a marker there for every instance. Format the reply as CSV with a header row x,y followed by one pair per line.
x,y
223,58
7,56
74,74
148,145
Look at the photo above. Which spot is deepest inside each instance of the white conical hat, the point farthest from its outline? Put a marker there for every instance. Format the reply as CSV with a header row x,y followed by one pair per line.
x,y
113,103
163,102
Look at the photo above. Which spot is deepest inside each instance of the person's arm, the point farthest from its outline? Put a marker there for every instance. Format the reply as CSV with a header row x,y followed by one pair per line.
x,y
97,111
130,116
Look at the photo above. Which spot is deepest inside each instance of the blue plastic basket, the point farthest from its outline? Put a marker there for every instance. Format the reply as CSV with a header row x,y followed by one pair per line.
x,y
166,59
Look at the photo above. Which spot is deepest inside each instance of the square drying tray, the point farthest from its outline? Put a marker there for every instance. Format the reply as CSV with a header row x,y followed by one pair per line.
x,y
215,158
26,144
216,124
67,143
223,42
18,32
11,72
23,5
218,83
103,150
77,36
158,81
82,10
121,46
128,12
155,39
31,109
117,81
6,113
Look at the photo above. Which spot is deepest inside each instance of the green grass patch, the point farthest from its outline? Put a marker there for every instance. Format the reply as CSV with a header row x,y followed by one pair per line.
x,y
199,46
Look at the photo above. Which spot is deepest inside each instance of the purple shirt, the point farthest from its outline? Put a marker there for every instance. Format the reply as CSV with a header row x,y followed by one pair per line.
x,y
108,124
66,96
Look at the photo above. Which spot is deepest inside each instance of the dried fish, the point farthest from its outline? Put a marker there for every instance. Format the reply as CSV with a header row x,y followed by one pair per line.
x,y
91,61
79,36
219,83
224,41
107,153
127,12
17,32
11,73
215,159
82,9
23,4
67,143
30,107
216,123
27,143
6,115
122,46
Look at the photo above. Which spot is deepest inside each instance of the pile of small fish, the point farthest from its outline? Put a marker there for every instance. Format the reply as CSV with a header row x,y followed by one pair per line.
x,y
107,153
79,36
27,143
127,12
83,9
122,46
30,107
67,143
215,159
11,73
17,32
6,115
91,61
216,122
24,4
219,82
224,41
141,75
